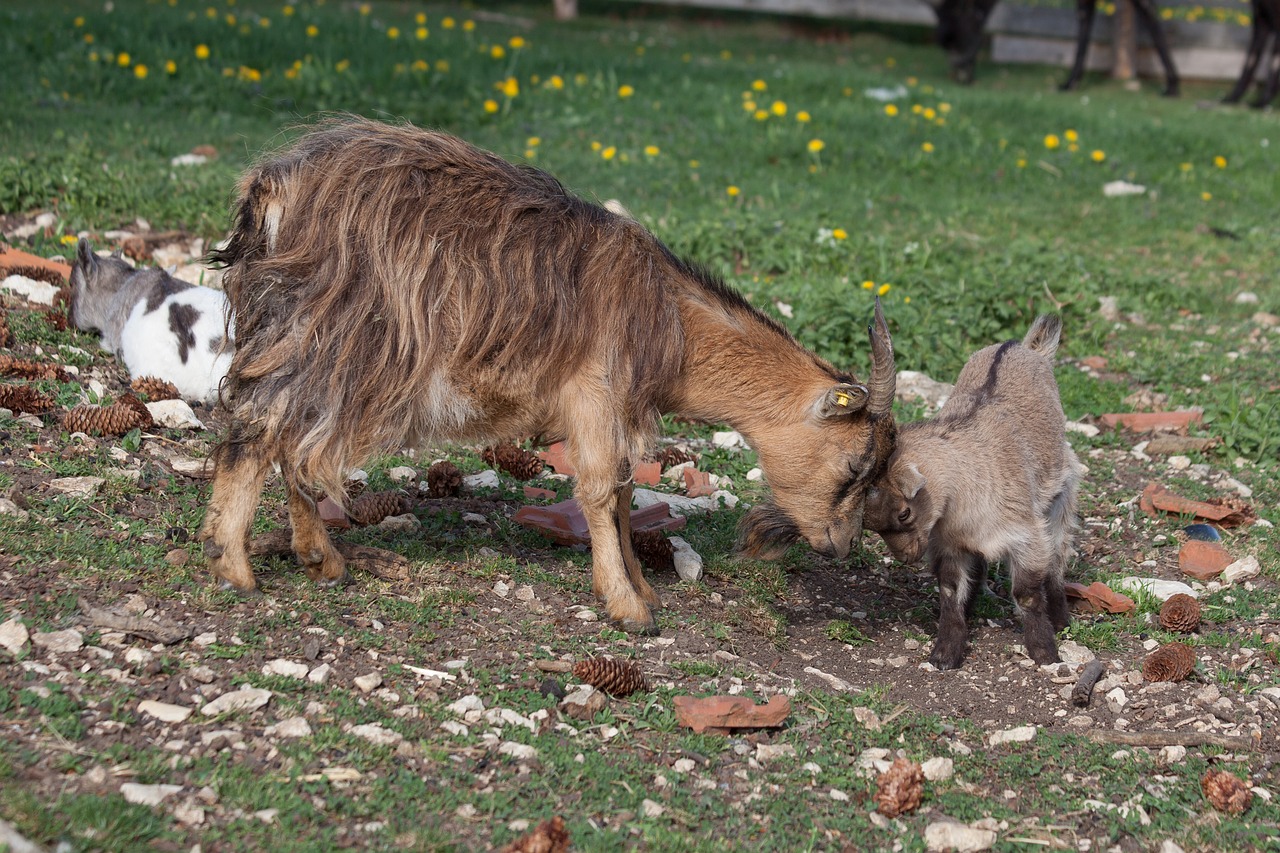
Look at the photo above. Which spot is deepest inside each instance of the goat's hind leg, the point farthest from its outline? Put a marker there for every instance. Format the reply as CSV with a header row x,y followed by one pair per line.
x,y
956,588
1085,10
635,571
1150,17
239,472
611,578
311,542
1032,572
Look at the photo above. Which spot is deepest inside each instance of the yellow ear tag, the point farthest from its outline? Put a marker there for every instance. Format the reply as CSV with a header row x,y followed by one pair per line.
x,y
842,399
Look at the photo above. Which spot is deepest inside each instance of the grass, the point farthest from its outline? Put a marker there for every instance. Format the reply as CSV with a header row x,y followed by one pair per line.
x,y
751,148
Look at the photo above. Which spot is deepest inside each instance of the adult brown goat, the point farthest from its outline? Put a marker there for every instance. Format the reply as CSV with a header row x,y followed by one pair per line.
x,y
393,286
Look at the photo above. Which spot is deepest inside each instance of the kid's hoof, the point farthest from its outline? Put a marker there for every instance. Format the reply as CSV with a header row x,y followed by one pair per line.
x,y
942,663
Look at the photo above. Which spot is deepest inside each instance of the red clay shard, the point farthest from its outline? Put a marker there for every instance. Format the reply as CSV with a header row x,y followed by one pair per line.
x,y
720,714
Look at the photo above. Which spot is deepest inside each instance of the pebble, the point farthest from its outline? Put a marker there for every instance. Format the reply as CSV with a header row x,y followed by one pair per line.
x,y
289,728
1021,734
586,614
402,473
369,682
174,414
8,507
688,562
14,636
1173,754
244,699
77,487
375,734
286,668
147,795
959,837
320,674
518,751
938,769
1241,570
59,642
684,765
163,711
649,808
766,752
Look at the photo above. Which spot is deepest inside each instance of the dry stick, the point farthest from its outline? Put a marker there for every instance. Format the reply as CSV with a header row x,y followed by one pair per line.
x,y
1083,690
1173,739
376,561
139,626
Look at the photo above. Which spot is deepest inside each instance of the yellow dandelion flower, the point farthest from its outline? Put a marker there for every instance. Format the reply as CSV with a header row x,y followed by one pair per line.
x,y
1220,161
230,19
609,153
210,12
287,11
1071,136
651,151
264,22
497,51
419,19
140,71
170,67
839,233
778,108
732,191
312,31
1206,196
556,82
761,115
911,81
1051,141
420,65
1097,155
393,32
122,60
510,87
365,8
906,300
944,107
726,54
916,109
490,105
759,85
749,106
883,289
516,42
889,62
93,56
79,21
448,23
442,65
468,26
342,65
1186,167
1021,163
530,153
421,33
533,141
596,146
941,122
867,285
930,113
816,145
802,116
626,91
891,110
88,38
927,147
693,164
202,51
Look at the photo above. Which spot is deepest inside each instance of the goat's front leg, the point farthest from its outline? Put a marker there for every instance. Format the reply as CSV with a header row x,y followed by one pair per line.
x,y
598,494
240,470
956,589
1150,18
311,542
1257,46
634,570
1273,79
1085,10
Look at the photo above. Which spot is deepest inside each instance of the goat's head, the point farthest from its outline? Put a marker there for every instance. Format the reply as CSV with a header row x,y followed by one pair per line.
x,y
901,510
821,464
960,26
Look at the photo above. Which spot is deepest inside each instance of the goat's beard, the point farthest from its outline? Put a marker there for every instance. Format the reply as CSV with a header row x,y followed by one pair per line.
x,y
766,532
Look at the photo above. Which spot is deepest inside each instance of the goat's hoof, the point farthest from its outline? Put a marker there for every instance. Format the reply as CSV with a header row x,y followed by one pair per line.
x,y
943,661
1171,92
637,626
334,583
244,592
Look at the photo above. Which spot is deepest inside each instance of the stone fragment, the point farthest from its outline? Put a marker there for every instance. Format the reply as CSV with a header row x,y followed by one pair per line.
x,y
77,487
369,682
688,562
518,751
1242,570
290,728
938,769
286,668
376,734
174,414
59,642
244,699
147,795
958,837
1021,734
164,711
14,636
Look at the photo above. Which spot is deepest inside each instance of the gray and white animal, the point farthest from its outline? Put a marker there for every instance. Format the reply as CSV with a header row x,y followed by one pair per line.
x,y
158,325
991,477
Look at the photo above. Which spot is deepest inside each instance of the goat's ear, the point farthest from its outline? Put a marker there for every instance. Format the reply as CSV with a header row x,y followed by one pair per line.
x,y
843,399
85,255
910,481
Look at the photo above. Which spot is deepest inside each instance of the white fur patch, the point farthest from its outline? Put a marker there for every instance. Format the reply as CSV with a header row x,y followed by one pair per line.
x,y
271,223
150,348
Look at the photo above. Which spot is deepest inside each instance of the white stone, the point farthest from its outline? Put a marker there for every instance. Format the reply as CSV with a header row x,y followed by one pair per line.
x,y
244,699
938,769
1073,653
688,562
1087,430
34,291
838,795
1246,297
1118,189
164,711
586,614
174,414
950,835
376,734
912,386
77,487
683,506
525,593
834,681
147,795
290,728
402,473
456,728
465,704
501,589
649,808
1021,734
755,475
287,668
684,765
1179,463
368,682
320,674
867,717
1161,589
208,638
729,440
14,636
188,160
1170,846
406,523
766,752
885,93
198,469
1240,488
189,813
1242,570
518,751
8,507
484,480
59,642
1173,754
1116,700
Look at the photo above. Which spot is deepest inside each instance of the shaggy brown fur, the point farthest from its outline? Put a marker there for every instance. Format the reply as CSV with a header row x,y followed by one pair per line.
x,y
992,477
393,286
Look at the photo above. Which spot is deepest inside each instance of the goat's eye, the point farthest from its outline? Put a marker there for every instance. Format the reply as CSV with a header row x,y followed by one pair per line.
x,y
905,515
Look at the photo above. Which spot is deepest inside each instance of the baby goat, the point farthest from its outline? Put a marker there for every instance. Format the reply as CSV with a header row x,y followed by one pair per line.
x,y
992,477
396,287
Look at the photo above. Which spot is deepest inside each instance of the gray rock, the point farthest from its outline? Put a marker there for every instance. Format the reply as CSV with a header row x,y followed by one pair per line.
x,y
688,562
59,642
77,487
147,795
244,699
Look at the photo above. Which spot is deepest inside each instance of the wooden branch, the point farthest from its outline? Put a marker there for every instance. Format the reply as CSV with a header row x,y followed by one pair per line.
x,y
1083,690
378,562
139,626
1173,739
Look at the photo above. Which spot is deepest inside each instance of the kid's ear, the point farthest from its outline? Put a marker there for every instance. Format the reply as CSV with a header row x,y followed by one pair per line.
x,y
911,481
84,253
841,400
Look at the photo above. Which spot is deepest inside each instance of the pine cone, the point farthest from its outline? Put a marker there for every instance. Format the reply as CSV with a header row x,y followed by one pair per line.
x,y
116,419
57,320
653,549
1181,613
154,388
516,461
673,455
610,675
24,369
900,788
24,398
6,336
443,479
550,836
1170,662
375,506
1227,793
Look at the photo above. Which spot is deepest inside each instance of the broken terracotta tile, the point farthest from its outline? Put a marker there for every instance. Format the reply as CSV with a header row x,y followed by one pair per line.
x,y
332,514
1094,362
564,522
697,483
1152,421
1203,560
1227,513
647,474
556,458
1100,598
11,258
720,714
534,493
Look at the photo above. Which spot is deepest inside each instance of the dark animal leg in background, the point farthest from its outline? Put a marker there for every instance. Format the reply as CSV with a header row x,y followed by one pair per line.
x,y
1257,47
1084,29
1273,79
1150,18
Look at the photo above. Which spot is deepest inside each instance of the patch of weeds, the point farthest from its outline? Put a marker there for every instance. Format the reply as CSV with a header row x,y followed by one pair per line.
x,y
1102,634
58,710
846,632
695,668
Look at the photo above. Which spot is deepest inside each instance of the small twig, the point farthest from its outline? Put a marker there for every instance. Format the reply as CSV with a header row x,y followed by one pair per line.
x,y
553,665
1083,691
1173,739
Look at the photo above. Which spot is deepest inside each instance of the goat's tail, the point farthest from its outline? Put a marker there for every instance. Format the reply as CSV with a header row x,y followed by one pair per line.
x,y
1043,335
